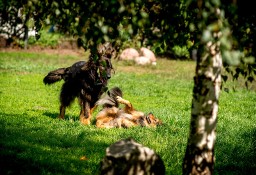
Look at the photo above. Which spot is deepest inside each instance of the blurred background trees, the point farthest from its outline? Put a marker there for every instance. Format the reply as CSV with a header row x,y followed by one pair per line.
x,y
166,26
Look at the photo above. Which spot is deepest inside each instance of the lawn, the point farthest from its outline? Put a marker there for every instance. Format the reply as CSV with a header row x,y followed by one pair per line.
x,y
33,141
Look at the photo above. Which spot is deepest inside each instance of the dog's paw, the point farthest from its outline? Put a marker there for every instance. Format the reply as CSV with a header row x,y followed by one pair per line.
x,y
85,121
119,99
122,101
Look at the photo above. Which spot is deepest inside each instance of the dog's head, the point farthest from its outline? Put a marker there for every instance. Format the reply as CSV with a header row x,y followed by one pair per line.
x,y
109,99
105,52
150,120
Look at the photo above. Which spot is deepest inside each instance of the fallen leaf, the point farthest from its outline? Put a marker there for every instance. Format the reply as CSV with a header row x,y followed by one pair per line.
x,y
83,158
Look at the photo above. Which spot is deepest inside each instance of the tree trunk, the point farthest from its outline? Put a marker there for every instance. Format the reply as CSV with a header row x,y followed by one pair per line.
x,y
26,32
199,157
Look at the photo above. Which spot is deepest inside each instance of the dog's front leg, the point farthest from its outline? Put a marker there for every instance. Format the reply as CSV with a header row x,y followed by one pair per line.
x,y
85,114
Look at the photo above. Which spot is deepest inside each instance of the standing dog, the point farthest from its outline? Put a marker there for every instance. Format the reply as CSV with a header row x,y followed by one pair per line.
x,y
85,80
113,117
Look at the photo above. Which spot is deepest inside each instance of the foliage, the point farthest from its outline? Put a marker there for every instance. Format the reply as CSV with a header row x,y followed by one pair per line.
x,y
94,25
33,141
15,18
242,16
46,40
237,33
116,20
121,21
160,24
181,52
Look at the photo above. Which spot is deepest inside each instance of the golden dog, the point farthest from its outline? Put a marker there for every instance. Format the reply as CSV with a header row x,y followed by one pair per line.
x,y
113,117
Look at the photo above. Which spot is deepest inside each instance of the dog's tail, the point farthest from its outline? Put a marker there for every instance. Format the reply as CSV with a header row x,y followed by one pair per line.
x,y
109,100
54,76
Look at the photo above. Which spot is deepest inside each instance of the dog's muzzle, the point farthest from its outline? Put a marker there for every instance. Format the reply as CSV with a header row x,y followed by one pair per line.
x,y
108,76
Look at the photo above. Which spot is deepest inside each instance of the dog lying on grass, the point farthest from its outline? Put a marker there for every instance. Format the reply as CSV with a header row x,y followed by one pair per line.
x,y
113,117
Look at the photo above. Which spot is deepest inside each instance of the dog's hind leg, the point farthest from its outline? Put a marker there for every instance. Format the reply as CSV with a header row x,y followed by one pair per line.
x,y
62,112
128,106
67,95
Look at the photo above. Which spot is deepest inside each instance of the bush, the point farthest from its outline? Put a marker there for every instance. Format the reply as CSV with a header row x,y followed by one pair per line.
x,y
181,52
48,39
174,52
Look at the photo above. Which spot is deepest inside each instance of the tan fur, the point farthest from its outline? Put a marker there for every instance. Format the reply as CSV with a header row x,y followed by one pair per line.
x,y
113,117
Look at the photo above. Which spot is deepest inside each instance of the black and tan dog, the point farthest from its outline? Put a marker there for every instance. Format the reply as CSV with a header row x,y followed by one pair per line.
x,y
111,116
85,80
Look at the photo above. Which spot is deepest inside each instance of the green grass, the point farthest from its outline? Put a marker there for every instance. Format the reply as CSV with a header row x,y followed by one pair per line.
x,y
33,141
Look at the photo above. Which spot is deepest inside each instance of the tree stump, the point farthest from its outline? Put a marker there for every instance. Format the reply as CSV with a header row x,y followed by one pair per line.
x,y
127,157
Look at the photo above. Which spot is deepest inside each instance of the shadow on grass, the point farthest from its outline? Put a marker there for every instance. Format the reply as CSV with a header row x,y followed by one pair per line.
x,y
67,117
237,159
56,115
51,115
29,145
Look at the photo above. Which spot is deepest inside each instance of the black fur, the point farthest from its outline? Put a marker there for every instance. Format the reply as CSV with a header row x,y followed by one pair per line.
x,y
109,100
85,80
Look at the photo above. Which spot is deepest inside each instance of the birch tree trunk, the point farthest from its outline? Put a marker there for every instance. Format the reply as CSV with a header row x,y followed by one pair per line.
x,y
199,156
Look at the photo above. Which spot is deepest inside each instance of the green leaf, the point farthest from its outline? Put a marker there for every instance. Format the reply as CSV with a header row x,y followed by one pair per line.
x,y
207,36
57,12
232,57
144,14
104,29
249,60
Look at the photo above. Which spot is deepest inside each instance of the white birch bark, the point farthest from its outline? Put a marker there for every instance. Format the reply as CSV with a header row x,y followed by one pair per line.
x,y
199,156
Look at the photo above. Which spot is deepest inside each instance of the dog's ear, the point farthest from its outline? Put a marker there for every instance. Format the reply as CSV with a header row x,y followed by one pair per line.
x,y
106,49
154,119
148,118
